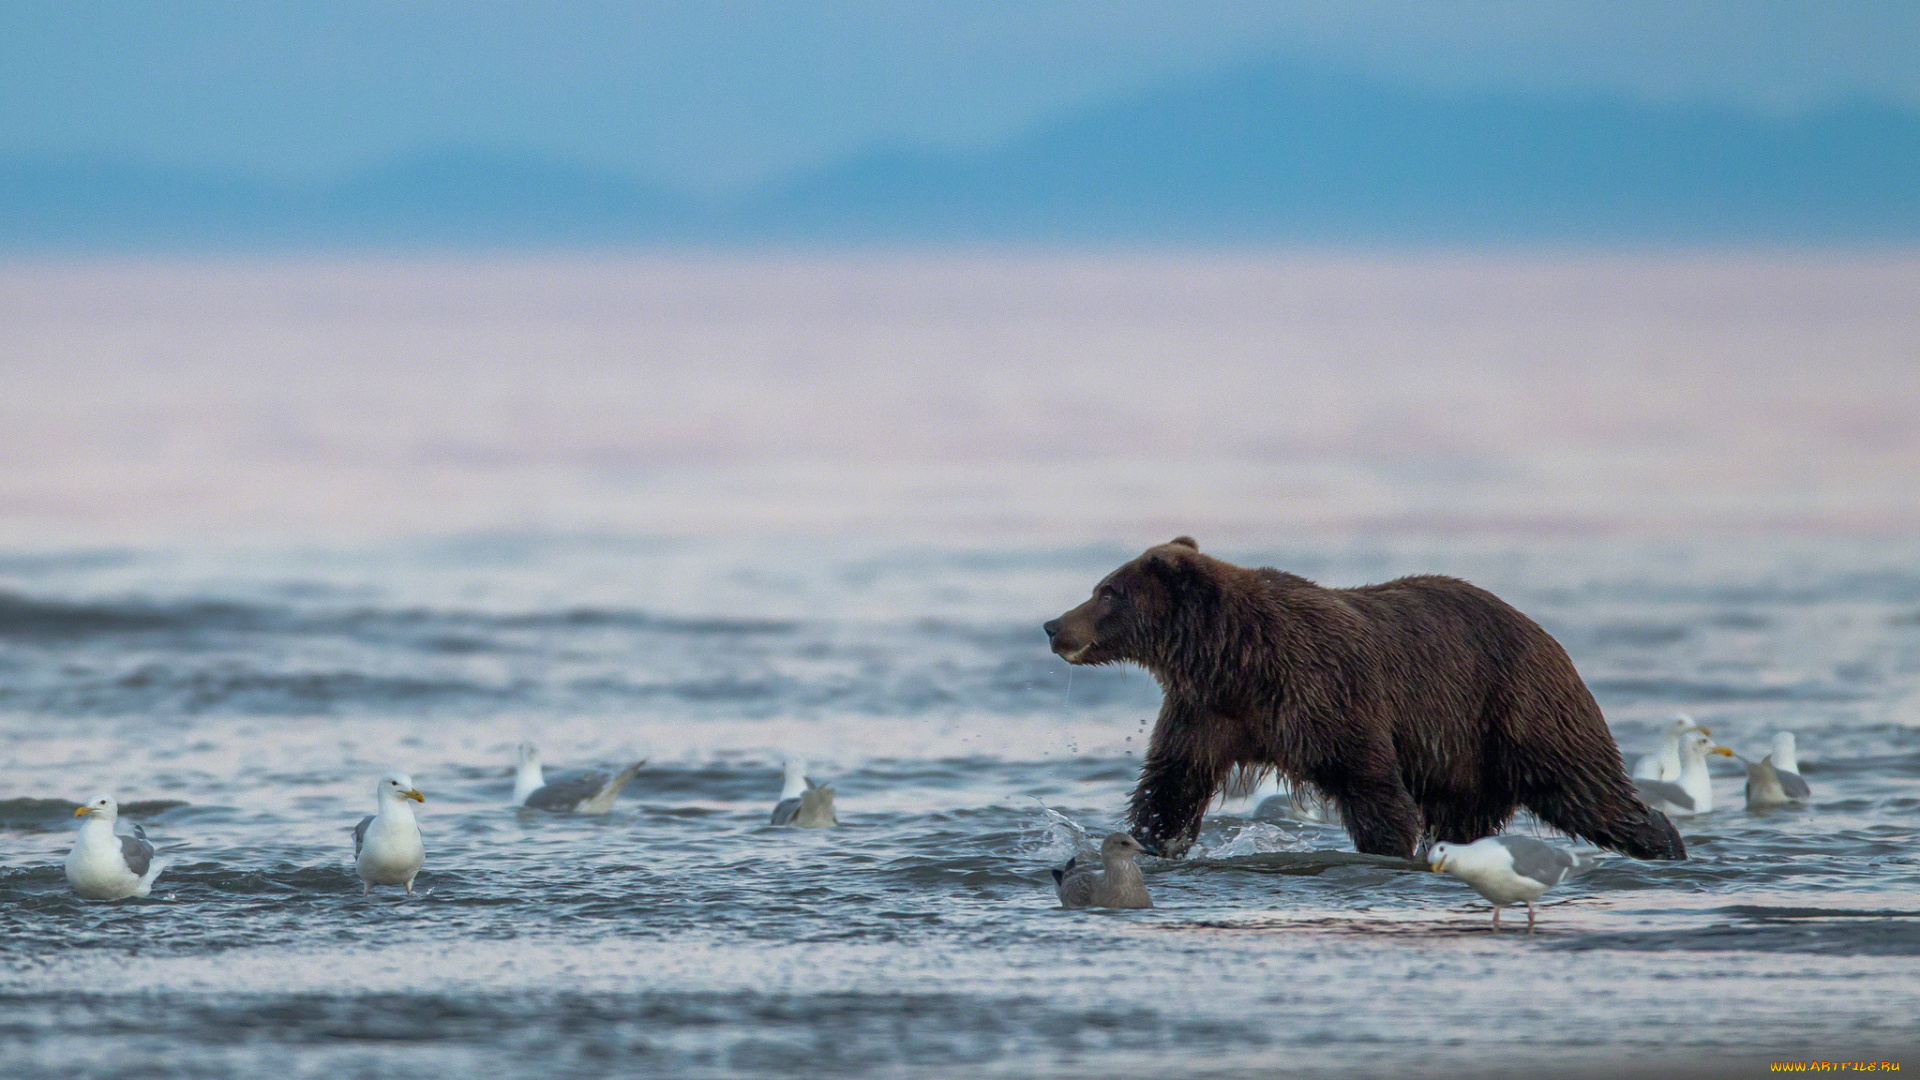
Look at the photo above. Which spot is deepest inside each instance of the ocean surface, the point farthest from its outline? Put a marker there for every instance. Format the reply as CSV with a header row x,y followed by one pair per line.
x,y
241,699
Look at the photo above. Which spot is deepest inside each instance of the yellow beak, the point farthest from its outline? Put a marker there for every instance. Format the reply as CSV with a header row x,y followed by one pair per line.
x,y
82,811
1439,866
414,794
1723,751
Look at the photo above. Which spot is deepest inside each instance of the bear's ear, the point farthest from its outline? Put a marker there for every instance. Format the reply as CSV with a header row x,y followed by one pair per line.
x,y
1184,541
1170,565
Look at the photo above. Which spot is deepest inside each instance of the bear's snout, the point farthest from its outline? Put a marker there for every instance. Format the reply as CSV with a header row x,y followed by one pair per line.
x,y
1069,635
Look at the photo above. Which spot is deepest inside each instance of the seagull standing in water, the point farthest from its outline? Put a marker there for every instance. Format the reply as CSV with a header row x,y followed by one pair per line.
x,y
1693,792
803,802
386,844
1664,763
1775,780
1117,884
590,792
1509,869
104,865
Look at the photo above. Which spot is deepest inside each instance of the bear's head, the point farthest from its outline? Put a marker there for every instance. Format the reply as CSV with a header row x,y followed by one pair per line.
x,y
1132,608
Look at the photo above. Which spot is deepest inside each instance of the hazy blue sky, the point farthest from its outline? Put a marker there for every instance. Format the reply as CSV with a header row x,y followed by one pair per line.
x,y
728,94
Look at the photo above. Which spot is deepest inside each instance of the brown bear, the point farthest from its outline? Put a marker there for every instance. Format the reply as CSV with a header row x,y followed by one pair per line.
x,y
1425,708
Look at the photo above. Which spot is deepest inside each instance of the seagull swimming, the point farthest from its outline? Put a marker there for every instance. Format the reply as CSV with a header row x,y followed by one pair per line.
x,y
1117,884
104,865
590,792
1775,780
1664,763
1693,792
386,845
803,802
1509,869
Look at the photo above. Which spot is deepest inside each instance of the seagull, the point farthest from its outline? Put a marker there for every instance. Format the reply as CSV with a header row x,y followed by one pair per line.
x,y
803,802
1117,884
1509,869
386,845
1775,780
1693,792
104,865
590,792
1664,763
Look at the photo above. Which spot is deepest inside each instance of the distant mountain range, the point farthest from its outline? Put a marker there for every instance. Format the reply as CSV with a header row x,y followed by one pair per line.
x,y
1269,156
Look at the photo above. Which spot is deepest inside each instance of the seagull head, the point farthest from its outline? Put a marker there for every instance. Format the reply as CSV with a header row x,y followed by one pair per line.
x,y
529,754
1682,723
398,787
1438,855
1123,846
1784,748
100,806
1696,744
793,780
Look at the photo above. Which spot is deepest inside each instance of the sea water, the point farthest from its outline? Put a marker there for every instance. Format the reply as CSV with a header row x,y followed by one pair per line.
x,y
242,707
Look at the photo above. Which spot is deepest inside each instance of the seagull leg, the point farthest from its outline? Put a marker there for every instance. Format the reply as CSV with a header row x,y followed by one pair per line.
x,y
1496,918
409,886
1529,916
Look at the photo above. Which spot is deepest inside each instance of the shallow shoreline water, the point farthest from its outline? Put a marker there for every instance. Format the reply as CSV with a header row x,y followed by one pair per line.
x,y
241,703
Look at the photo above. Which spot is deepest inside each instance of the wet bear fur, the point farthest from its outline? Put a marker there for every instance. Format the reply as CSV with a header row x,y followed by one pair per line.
x,y
1425,708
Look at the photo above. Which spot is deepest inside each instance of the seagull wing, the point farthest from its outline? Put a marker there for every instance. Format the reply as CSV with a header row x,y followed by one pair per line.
x,y
785,809
360,834
563,793
1076,886
137,852
1664,791
1538,859
1792,784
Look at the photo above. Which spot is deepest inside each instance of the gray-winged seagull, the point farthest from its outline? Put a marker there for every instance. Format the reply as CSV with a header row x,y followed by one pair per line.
x,y
803,802
1693,792
1509,869
104,865
386,844
588,792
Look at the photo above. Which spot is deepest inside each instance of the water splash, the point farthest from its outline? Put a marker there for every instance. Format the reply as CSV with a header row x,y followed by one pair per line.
x,y
1254,838
1060,837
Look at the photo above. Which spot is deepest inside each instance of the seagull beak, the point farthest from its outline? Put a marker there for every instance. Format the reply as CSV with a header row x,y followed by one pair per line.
x,y
82,811
1705,730
1723,751
414,794
1439,865
1151,849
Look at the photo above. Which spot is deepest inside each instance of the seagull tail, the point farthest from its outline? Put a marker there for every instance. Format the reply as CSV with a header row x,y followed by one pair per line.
x,y
1584,859
626,774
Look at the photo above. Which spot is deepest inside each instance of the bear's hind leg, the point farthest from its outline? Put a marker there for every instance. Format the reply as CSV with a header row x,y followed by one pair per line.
x,y
1610,819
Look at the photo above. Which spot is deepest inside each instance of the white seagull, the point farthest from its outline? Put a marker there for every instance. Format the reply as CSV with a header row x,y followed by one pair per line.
x,y
589,792
386,845
1693,792
1664,762
1509,869
803,802
1117,884
1775,780
104,865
